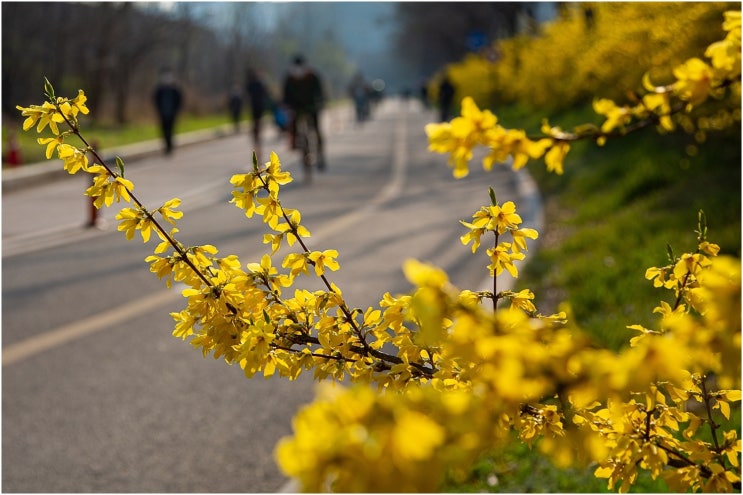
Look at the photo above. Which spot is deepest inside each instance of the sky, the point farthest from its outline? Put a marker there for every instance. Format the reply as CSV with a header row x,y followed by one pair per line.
x,y
359,26
363,29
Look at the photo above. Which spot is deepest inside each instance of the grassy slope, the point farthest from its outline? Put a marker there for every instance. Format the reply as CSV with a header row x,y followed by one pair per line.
x,y
614,211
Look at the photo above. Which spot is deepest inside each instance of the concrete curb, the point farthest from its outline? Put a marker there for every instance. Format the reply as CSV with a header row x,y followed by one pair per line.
x,y
32,174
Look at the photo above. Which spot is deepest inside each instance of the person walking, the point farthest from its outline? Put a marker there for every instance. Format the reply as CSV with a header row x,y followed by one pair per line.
x,y
304,96
259,101
168,99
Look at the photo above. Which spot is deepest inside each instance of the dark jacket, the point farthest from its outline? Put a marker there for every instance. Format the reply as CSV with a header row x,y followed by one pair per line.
x,y
167,100
303,92
258,96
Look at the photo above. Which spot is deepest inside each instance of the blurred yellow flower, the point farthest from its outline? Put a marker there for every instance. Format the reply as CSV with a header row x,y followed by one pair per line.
x,y
556,156
415,436
694,81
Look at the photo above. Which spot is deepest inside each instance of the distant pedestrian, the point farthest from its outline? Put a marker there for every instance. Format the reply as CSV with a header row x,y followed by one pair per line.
x,y
423,93
235,104
260,101
588,16
168,99
446,97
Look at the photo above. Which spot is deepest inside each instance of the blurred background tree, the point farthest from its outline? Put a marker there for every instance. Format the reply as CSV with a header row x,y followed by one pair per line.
x,y
433,34
210,45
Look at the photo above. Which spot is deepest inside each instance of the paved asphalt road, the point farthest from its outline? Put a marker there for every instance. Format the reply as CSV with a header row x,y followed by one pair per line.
x,y
97,396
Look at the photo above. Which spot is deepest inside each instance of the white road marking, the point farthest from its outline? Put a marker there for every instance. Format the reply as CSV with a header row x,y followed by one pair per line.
x,y
390,191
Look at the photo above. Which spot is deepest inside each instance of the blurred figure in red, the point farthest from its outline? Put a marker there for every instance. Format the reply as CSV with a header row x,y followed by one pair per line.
x,y
13,158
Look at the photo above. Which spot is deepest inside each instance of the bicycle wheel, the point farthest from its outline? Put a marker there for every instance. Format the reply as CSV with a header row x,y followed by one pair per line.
x,y
303,144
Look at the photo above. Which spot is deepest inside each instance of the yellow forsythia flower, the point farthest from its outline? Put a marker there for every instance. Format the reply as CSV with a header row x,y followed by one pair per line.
x,y
324,259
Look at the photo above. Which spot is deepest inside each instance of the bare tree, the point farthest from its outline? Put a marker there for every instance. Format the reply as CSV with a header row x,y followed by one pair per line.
x,y
431,34
114,50
99,46
136,37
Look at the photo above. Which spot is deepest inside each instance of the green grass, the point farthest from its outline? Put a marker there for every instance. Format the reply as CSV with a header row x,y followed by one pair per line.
x,y
108,136
519,469
607,219
616,209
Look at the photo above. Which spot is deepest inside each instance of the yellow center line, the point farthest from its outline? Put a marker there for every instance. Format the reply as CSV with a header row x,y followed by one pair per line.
x,y
87,326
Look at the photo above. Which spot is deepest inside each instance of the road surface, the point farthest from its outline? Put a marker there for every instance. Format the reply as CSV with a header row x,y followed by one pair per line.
x,y
99,397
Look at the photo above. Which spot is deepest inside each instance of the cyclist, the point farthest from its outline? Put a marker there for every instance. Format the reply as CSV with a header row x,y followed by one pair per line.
x,y
303,95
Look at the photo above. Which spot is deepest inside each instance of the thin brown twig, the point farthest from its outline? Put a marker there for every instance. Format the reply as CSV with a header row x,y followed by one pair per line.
x,y
176,246
365,349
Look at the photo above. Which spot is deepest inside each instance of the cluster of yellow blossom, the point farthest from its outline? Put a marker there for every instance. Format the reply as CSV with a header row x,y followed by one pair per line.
x,y
358,441
59,110
571,58
698,339
477,127
499,220
624,412
107,186
696,81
